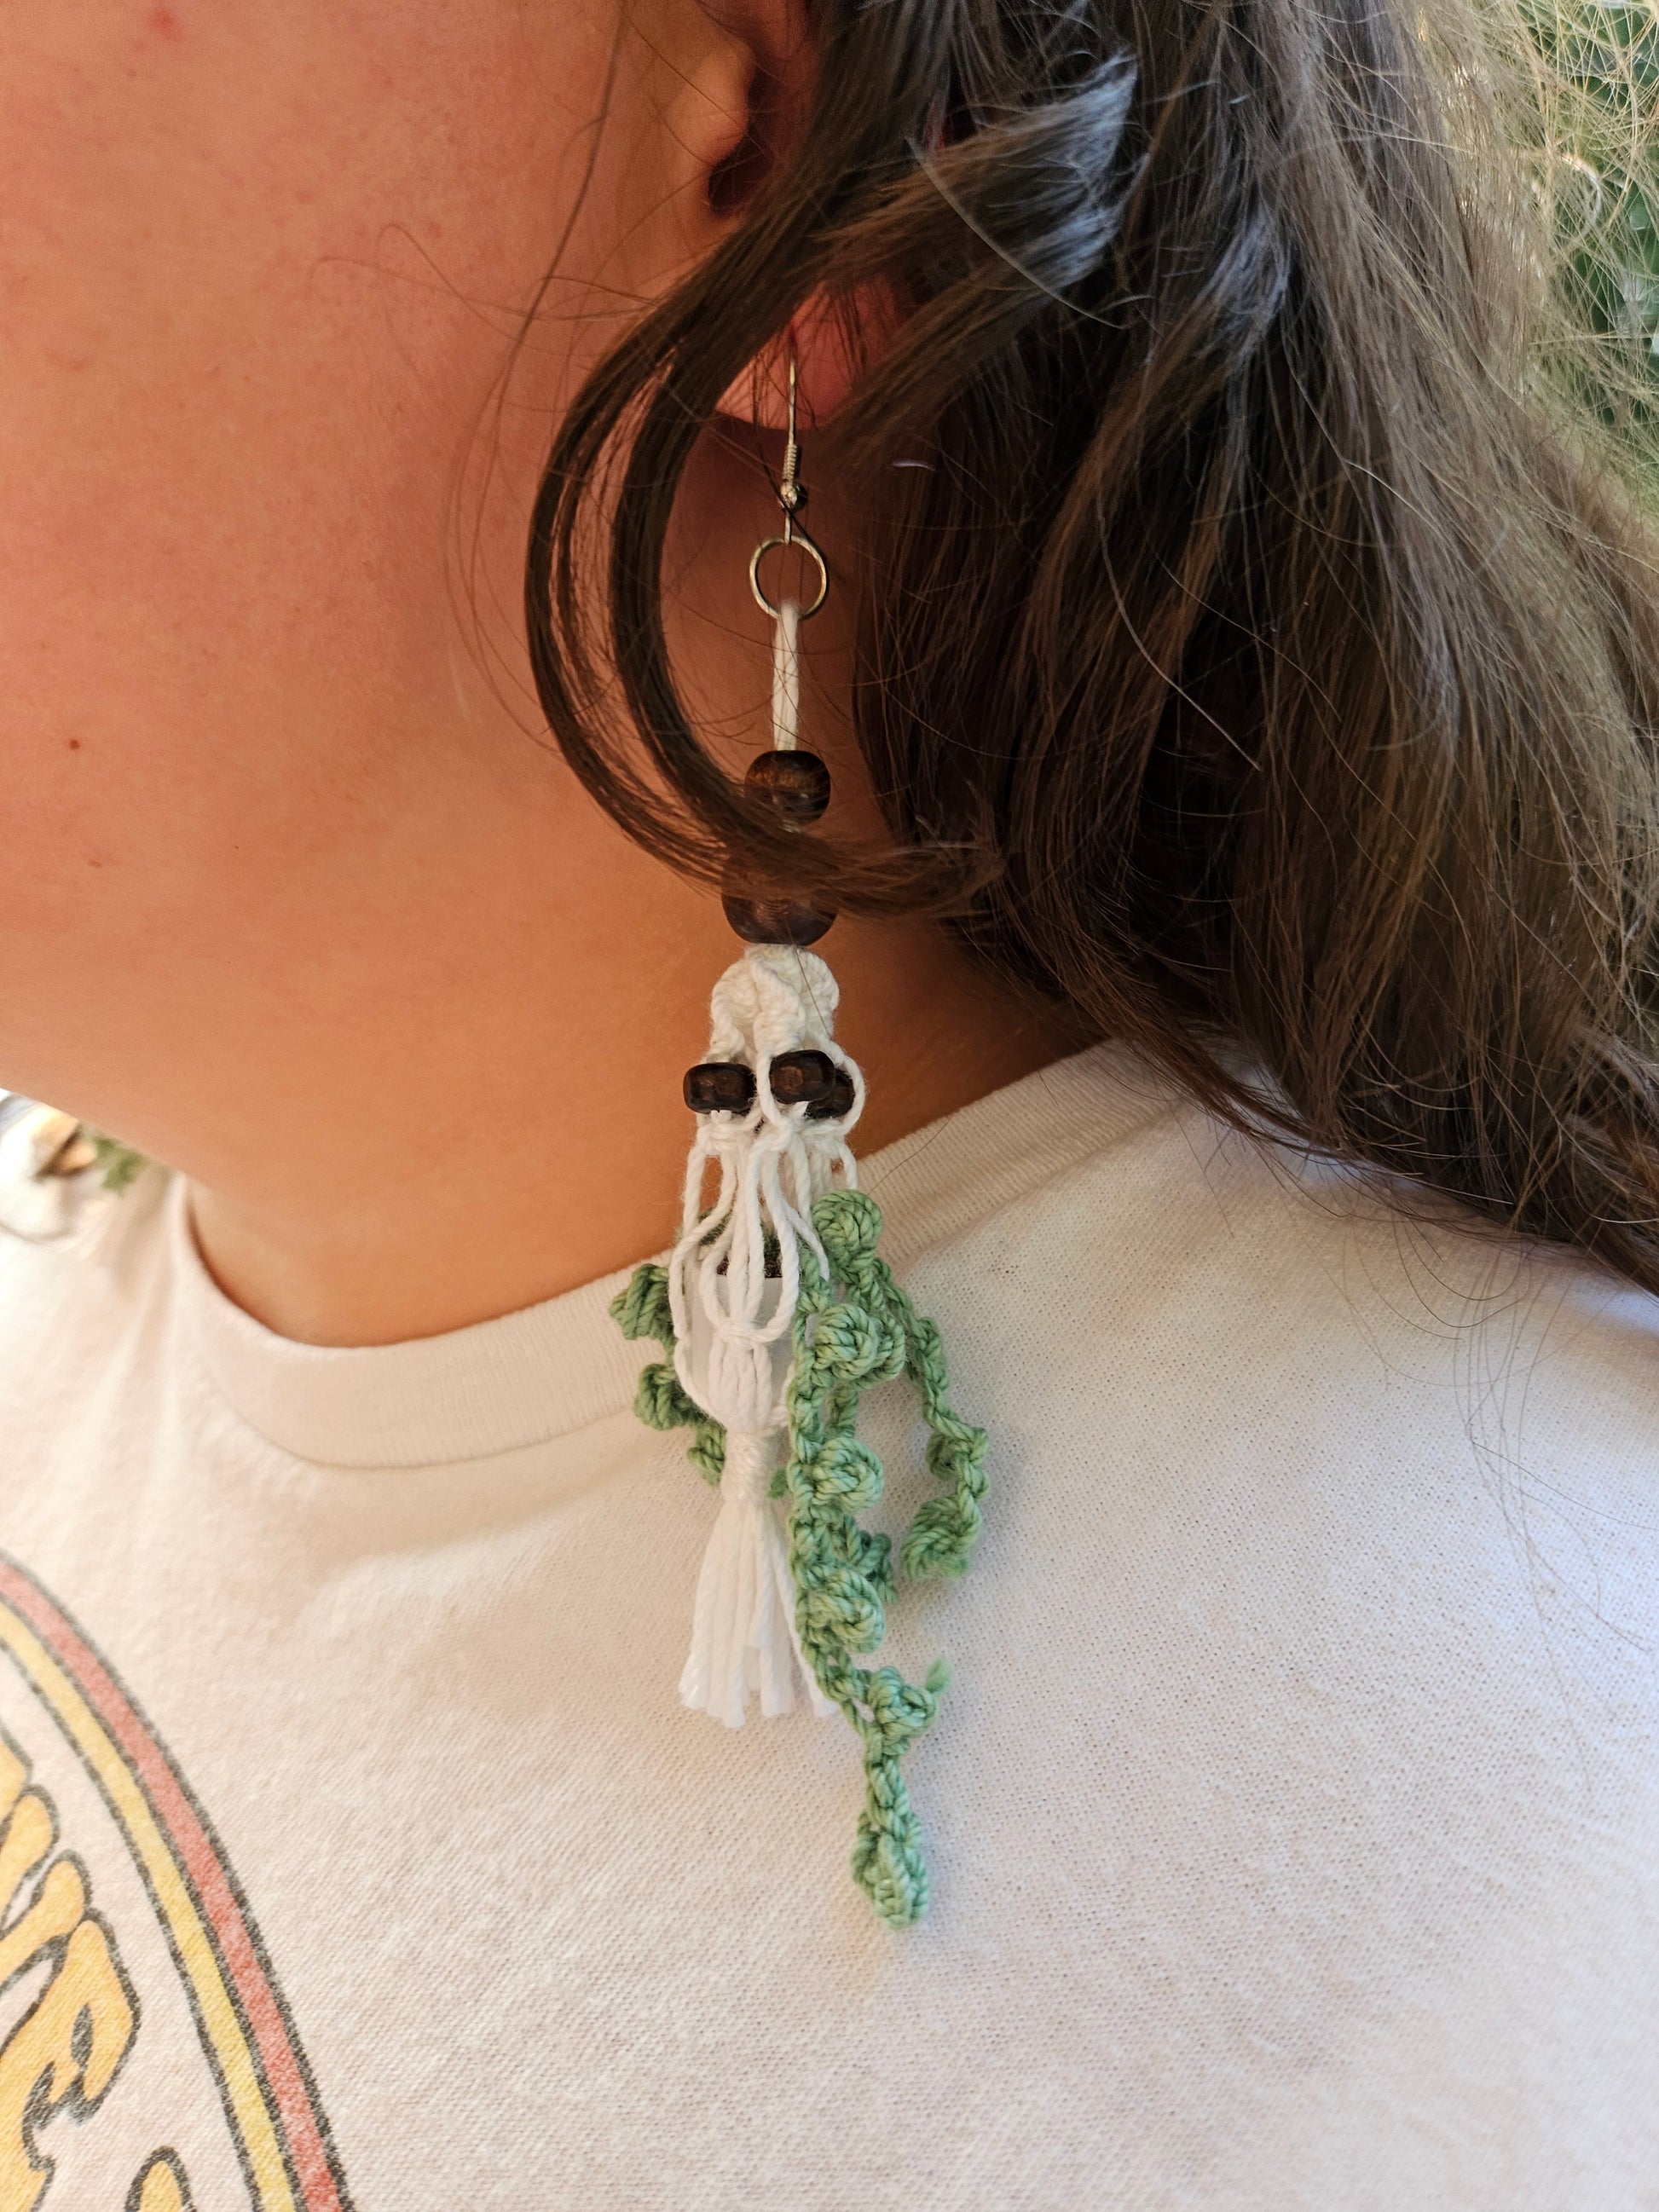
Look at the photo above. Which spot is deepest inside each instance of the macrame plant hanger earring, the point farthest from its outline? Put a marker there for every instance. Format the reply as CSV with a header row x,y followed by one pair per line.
x,y
776,1311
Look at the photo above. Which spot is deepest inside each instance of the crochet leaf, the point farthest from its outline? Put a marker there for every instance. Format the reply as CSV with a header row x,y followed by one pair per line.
x,y
640,1310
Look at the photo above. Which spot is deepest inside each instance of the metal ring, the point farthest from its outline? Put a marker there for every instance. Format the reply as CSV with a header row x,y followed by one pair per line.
x,y
798,538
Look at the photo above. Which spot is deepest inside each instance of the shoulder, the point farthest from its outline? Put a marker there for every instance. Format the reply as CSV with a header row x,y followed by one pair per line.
x,y
1314,1621
1259,1429
1131,1252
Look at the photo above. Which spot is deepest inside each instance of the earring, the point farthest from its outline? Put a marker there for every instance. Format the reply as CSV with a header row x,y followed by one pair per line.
x,y
776,1312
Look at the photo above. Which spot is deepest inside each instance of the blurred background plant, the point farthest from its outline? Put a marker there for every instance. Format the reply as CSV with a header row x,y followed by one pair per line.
x,y
1597,97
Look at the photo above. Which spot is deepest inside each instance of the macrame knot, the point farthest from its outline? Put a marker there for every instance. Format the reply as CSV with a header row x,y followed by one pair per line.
x,y
741,1381
774,999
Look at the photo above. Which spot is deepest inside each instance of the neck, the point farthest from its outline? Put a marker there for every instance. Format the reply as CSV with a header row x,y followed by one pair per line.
x,y
465,1198
426,1070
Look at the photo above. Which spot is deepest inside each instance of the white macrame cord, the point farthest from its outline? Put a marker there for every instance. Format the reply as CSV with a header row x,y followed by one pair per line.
x,y
733,1321
733,1281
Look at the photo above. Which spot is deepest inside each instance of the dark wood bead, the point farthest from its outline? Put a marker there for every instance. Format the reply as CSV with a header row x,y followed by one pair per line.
x,y
803,1078
796,783
775,918
720,1086
839,1102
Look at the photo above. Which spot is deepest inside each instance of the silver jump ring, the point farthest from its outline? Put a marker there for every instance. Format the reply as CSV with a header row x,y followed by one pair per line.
x,y
797,538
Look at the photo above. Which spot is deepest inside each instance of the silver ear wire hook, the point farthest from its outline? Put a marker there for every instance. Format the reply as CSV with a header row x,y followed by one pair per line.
x,y
791,497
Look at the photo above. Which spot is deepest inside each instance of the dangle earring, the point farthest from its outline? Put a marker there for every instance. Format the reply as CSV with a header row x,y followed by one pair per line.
x,y
776,1312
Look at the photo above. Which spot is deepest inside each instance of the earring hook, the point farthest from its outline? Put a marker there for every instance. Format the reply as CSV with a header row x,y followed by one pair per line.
x,y
791,497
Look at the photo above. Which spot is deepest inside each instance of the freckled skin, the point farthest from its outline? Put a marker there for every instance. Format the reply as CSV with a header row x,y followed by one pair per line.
x,y
261,272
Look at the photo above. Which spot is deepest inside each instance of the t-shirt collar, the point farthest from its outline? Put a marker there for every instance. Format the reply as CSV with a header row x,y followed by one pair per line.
x,y
548,1369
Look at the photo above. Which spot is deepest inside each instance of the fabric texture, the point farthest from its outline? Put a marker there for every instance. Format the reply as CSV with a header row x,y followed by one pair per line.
x,y
1292,1812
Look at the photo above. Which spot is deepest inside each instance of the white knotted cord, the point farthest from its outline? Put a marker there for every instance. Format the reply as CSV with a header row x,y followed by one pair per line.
x,y
733,1320
734,1279
743,1641
785,677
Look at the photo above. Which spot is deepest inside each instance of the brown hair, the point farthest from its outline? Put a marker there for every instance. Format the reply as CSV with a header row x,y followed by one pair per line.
x,y
1258,657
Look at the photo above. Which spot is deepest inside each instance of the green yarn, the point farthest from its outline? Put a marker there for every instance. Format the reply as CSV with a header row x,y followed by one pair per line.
x,y
641,1310
854,1327
940,1540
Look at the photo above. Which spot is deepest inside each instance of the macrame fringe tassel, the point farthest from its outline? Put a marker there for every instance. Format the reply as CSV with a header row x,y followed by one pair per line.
x,y
733,1282
744,1639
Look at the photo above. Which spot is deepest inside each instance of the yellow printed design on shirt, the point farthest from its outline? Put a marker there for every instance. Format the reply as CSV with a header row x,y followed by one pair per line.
x,y
147,2061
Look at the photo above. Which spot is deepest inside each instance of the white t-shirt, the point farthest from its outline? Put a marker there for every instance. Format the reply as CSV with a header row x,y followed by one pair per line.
x,y
1293,1814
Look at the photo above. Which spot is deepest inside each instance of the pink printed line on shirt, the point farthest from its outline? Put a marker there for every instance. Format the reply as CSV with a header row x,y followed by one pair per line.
x,y
301,2132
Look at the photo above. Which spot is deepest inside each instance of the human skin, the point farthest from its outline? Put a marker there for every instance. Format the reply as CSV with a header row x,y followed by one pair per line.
x,y
298,898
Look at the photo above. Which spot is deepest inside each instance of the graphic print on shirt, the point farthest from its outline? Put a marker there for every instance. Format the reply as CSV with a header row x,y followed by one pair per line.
x,y
148,2062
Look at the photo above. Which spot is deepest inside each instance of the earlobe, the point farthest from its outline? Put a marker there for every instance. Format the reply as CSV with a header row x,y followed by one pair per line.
x,y
833,340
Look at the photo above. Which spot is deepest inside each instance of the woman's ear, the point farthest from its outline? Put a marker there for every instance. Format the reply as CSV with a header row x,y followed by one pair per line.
x,y
699,74
830,340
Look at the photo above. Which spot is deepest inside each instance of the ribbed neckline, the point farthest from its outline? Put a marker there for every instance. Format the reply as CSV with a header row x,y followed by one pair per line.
x,y
550,1369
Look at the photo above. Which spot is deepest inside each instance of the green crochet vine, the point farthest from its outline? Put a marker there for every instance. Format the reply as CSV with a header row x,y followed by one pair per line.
x,y
854,1327
642,1310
